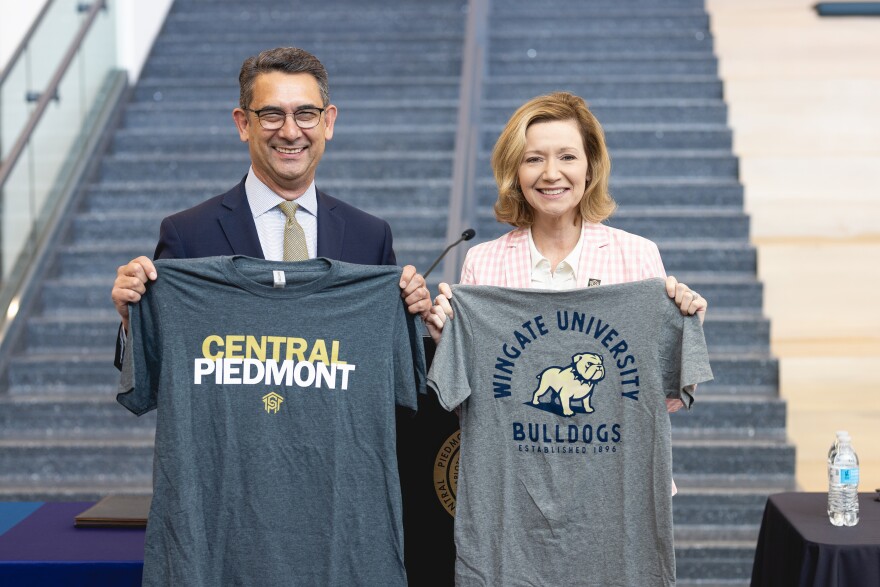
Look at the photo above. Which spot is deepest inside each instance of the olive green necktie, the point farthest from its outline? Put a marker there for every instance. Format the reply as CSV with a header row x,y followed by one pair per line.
x,y
294,238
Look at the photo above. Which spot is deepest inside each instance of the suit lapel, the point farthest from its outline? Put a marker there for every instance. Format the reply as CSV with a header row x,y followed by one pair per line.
x,y
331,228
237,222
594,254
517,259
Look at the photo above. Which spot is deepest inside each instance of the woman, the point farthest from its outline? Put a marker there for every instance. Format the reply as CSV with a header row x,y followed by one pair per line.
x,y
552,169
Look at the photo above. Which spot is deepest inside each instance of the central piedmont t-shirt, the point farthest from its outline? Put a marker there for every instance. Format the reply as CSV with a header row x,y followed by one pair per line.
x,y
566,460
275,459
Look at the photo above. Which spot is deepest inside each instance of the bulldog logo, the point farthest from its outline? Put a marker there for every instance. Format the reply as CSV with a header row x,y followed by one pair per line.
x,y
572,383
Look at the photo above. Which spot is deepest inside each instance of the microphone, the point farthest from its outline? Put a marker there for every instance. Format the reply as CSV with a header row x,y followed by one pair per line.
x,y
465,236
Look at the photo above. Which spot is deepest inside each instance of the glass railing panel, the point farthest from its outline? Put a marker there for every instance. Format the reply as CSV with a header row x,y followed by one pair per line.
x,y
14,108
17,213
97,54
51,41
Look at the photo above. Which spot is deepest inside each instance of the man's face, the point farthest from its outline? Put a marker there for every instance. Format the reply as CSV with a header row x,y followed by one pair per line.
x,y
285,159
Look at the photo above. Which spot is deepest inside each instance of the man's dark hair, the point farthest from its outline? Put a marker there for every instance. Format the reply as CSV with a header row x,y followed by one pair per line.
x,y
286,60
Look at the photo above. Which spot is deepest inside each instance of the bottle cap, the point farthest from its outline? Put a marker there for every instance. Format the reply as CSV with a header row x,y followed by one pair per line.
x,y
842,433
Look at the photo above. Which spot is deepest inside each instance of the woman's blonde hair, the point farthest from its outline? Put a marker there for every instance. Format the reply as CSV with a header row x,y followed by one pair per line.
x,y
511,206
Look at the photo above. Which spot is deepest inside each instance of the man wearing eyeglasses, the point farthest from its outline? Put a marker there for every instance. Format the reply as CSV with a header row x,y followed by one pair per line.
x,y
285,117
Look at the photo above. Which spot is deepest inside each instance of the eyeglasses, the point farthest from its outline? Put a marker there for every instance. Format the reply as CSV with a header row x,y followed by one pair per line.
x,y
272,119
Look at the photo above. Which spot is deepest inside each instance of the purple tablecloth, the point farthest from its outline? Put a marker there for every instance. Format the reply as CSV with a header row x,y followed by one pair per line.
x,y
46,549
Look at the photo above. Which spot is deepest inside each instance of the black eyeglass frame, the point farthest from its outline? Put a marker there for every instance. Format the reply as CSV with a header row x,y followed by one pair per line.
x,y
263,111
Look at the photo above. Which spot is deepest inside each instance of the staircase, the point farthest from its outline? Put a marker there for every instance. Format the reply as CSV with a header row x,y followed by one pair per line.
x,y
648,72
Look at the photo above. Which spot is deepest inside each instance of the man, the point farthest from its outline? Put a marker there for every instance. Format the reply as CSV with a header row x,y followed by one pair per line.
x,y
285,116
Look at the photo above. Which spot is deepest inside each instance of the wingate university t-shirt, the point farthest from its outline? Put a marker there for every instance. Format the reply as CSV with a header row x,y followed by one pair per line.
x,y
565,460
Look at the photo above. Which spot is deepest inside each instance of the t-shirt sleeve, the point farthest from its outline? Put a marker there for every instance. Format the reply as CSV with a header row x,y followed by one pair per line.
x,y
448,376
687,359
409,360
139,379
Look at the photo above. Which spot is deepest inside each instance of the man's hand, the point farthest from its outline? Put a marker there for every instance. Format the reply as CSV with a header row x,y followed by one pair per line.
x,y
688,301
130,285
414,292
440,312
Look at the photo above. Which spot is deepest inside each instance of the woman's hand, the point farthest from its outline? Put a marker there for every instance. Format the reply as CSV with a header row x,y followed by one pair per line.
x,y
440,312
688,301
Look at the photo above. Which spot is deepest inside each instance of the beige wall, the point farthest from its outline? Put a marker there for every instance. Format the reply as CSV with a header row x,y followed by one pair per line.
x,y
804,99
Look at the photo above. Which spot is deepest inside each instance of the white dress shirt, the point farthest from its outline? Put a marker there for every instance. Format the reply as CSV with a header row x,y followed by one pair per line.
x,y
565,276
270,220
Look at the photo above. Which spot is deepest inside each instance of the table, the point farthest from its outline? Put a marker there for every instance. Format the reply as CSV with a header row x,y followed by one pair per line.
x,y
797,545
40,546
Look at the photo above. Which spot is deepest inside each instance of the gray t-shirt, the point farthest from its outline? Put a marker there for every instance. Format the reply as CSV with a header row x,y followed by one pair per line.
x,y
566,462
275,459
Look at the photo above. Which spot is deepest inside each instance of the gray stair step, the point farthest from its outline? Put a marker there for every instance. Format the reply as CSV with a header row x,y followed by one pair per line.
x,y
743,417
504,42
331,46
57,417
46,462
701,256
53,372
88,490
95,331
645,64
721,457
624,110
61,297
279,22
705,563
623,23
730,330
605,87
739,507
743,371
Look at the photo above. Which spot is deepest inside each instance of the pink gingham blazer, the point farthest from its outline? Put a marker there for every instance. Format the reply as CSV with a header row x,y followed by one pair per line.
x,y
608,254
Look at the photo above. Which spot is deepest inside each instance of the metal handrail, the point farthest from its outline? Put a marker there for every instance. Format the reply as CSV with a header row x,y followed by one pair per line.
x,y
48,94
25,41
462,196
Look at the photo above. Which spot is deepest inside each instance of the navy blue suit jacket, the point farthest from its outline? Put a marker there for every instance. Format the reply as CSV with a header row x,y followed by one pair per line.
x,y
224,225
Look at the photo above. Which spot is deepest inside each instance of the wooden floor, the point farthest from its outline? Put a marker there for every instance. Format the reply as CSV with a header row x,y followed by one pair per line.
x,y
804,100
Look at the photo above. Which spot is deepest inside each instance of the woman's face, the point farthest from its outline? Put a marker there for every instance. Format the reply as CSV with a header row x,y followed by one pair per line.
x,y
553,170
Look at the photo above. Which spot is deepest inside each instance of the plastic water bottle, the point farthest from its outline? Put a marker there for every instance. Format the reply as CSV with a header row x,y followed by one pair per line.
x,y
843,482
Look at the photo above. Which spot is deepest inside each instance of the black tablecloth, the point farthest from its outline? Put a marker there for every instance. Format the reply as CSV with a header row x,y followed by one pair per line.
x,y
797,544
